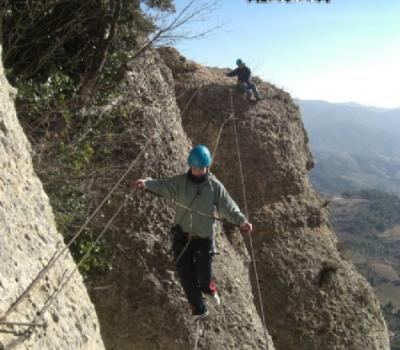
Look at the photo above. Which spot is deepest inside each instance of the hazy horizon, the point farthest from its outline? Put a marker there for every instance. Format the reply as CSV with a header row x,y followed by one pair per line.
x,y
348,103
336,52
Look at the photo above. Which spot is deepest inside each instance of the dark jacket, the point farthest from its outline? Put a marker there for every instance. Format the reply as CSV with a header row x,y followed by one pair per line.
x,y
243,74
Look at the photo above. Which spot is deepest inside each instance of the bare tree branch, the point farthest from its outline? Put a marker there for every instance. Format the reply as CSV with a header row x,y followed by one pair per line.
x,y
90,77
167,26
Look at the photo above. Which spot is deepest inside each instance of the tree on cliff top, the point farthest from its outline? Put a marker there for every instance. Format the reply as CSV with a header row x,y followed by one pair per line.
x,y
63,55
74,37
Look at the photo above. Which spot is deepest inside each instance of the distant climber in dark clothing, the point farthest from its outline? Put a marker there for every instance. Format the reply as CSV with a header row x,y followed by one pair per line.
x,y
244,75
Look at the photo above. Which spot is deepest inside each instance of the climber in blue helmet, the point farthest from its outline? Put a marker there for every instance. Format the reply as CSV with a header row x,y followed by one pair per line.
x,y
244,79
198,194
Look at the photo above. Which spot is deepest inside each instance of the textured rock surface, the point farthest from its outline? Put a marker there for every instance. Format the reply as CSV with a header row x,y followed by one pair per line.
x,y
143,306
313,299
28,239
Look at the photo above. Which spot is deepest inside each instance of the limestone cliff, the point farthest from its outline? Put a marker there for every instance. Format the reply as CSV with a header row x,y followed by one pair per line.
x,y
313,299
144,307
28,239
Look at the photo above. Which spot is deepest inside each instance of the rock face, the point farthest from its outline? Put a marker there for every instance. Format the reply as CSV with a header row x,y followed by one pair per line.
x,y
313,299
143,306
28,239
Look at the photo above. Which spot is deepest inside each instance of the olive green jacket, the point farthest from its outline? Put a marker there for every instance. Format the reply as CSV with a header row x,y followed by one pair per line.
x,y
212,197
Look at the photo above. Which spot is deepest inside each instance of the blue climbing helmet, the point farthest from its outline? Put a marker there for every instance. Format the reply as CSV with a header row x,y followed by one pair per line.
x,y
239,62
199,157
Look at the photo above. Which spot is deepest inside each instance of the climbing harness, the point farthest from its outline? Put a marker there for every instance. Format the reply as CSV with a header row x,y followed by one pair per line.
x,y
194,211
177,225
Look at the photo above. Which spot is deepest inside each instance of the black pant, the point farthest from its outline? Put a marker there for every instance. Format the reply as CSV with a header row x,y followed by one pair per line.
x,y
194,267
247,86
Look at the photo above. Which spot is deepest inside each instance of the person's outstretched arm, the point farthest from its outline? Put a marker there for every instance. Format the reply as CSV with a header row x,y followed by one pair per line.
x,y
233,73
167,188
230,211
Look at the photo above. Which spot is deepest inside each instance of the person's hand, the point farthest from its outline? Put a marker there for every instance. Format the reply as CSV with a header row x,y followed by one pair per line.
x,y
246,226
139,184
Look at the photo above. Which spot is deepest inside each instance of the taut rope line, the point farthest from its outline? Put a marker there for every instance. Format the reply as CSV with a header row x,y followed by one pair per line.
x,y
62,285
57,256
220,132
247,215
193,210
190,100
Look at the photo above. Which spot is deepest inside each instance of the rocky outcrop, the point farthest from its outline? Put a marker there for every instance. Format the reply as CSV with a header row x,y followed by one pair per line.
x,y
142,305
313,299
28,239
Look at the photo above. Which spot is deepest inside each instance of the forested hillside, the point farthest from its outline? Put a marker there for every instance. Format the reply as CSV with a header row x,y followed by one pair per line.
x,y
368,226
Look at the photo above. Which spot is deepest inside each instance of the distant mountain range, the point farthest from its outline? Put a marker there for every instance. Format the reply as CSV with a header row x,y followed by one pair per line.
x,y
367,224
355,147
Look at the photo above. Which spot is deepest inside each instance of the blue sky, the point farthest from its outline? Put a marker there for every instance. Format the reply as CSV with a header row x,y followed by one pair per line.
x,y
347,50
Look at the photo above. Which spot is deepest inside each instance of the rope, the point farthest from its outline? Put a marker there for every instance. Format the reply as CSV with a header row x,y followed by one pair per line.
x,y
12,323
57,256
193,210
82,260
26,334
247,215
220,132
7,331
18,324
31,326
190,100
197,335
231,116
183,250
